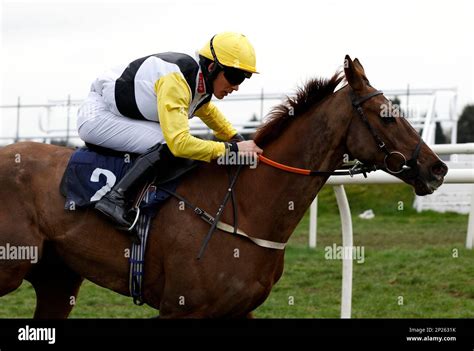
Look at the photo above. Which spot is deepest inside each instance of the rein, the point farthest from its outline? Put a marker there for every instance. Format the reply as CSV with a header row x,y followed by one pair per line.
x,y
358,168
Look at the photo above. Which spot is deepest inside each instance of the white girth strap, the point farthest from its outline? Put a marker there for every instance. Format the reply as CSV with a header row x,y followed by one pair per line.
x,y
260,242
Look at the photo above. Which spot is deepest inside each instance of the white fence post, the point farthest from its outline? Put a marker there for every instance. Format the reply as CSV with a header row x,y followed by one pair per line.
x,y
313,223
470,224
346,224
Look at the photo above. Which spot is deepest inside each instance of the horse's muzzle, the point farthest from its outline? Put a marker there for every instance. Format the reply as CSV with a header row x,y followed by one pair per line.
x,y
432,181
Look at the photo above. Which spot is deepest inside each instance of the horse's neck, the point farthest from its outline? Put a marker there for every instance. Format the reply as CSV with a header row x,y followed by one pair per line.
x,y
314,141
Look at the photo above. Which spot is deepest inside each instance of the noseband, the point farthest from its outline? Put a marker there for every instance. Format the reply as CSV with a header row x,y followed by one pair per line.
x,y
410,167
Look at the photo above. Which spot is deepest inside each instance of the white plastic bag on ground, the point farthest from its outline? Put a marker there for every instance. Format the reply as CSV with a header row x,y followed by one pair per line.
x,y
368,214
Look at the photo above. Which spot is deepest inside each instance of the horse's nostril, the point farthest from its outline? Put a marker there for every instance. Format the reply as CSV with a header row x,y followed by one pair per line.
x,y
439,169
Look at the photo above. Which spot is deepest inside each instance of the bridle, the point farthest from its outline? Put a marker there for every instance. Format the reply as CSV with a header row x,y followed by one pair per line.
x,y
410,166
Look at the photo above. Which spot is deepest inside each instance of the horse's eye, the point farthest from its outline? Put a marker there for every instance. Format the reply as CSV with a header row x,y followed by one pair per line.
x,y
387,119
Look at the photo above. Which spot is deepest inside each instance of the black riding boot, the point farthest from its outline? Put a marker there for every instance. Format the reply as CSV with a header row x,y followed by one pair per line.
x,y
114,203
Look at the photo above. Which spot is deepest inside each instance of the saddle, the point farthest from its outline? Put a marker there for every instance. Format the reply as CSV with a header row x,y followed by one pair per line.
x,y
92,171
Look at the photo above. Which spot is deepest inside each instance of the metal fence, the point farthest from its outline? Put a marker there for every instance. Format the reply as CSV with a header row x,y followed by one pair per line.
x,y
56,119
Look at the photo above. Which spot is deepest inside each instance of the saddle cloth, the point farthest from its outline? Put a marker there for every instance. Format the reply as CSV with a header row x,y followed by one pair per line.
x,y
90,175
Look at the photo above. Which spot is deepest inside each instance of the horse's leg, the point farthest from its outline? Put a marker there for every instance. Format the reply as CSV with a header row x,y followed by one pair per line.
x,y
56,287
12,276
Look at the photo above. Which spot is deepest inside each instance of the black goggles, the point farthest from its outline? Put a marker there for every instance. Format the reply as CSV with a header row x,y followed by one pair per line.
x,y
235,76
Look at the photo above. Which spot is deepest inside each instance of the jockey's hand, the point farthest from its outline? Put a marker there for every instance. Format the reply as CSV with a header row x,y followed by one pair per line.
x,y
249,147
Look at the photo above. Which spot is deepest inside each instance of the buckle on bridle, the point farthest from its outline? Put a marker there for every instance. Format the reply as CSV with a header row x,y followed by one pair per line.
x,y
355,168
204,215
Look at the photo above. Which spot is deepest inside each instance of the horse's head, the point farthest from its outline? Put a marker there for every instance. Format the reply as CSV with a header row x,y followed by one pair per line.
x,y
379,135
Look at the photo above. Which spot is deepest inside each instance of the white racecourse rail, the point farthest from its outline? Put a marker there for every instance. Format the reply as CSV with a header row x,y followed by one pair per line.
x,y
456,176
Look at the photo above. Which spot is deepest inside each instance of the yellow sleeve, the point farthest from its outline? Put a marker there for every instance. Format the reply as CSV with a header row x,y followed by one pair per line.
x,y
215,120
173,99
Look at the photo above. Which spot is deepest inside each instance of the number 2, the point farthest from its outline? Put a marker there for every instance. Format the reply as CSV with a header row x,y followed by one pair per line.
x,y
109,183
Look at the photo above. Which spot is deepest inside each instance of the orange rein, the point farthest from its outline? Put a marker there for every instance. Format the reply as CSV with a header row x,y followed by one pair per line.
x,y
284,167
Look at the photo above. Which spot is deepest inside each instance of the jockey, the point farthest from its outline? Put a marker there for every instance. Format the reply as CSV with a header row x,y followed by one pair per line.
x,y
139,107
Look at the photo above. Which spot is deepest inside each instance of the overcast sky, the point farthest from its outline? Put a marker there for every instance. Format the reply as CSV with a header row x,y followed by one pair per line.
x,y
53,48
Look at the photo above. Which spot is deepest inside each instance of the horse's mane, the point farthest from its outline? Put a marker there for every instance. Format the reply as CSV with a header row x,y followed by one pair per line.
x,y
314,91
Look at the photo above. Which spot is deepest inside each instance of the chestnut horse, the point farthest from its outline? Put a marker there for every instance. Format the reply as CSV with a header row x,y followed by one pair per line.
x,y
314,130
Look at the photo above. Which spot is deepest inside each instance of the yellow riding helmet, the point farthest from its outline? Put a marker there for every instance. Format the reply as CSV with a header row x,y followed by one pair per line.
x,y
231,50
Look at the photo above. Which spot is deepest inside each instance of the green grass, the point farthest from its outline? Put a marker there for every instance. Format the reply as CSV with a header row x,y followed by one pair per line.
x,y
430,281
410,268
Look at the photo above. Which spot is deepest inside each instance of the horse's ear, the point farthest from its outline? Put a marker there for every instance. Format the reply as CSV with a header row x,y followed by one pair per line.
x,y
353,75
359,65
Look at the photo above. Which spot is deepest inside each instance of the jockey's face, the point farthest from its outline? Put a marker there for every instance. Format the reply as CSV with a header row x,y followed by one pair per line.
x,y
222,87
